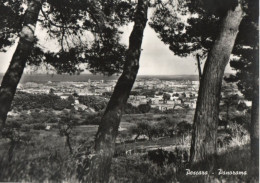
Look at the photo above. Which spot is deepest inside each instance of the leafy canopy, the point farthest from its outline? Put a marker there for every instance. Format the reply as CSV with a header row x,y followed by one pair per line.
x,y
190,28
84,32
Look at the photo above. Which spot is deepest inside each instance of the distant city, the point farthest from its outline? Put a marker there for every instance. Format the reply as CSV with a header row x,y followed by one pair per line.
x,y
161,92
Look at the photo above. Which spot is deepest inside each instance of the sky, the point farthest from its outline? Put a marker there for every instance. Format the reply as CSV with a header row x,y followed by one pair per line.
x,y
156,58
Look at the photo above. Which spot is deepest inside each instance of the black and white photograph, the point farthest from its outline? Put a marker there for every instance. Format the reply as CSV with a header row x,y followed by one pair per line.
x,y
129,91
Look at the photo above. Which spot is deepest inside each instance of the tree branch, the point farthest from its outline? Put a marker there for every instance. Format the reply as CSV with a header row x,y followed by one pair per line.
x,y
56,25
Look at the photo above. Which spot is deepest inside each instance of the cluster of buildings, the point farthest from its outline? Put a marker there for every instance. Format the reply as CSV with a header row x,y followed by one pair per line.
x,y
174,102
182,93
174,85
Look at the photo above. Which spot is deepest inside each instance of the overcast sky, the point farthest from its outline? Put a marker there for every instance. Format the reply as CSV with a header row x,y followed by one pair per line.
x,y
156,58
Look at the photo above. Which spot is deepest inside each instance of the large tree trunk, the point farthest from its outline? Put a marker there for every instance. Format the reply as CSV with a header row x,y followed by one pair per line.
x,y
203,144
254,132
16,67
100,161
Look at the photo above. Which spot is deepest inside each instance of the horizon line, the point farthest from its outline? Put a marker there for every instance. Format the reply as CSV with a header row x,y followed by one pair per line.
x,y
114,75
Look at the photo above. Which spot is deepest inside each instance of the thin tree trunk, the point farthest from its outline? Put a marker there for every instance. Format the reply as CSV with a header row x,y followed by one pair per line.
x,y
18,62
203,144
68,144
99,164
11,151
199,67
137,137
254,132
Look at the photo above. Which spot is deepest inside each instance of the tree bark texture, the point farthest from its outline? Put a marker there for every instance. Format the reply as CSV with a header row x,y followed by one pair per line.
x,y
100,162
254,132
18,62
203,144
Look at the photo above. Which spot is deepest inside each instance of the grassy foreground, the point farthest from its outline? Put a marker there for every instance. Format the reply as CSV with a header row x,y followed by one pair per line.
x,y
41,162
139,169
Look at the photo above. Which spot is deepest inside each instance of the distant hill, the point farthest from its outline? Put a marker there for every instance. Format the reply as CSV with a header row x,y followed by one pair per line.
x,y
43,78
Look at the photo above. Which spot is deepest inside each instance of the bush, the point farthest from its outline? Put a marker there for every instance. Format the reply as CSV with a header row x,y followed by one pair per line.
x,y
144,108
96,102
93,119
141,128
179,157
25,128
27,101
161,157
243,120
13,124
39,126
184,127
130,109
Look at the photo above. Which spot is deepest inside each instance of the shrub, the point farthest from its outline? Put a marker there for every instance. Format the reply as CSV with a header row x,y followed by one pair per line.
x,y
13,124
96,102
93,119
130,109
144,108
184,127
25,128
243,120
161,157
141,128
27,101
39,126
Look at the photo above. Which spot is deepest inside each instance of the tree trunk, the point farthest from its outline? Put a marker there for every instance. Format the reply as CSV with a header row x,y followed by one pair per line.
x,y
199,67
68,144
203,144
254,132
11,151
100,162
18,62
136,138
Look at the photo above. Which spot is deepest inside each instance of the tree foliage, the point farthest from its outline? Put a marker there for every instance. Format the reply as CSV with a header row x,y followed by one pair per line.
x,y
197,34
11,22
84,32
166,97
194,36
246,51
144,108
77,22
